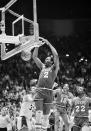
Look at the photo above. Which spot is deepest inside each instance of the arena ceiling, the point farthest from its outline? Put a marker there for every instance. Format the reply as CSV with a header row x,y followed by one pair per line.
x,y
52,9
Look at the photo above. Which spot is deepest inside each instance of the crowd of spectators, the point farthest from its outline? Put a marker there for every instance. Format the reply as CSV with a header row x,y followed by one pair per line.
x,y
16,74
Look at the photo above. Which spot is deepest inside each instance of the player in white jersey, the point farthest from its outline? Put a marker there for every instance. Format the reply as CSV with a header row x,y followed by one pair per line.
x,y
4,120
27,110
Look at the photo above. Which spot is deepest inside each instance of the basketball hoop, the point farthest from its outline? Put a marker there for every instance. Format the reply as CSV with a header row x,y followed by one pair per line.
x,y
21,37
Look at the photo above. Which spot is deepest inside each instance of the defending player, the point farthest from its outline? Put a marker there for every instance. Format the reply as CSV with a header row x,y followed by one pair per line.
x,y
26,111
62,101
47,76
80,106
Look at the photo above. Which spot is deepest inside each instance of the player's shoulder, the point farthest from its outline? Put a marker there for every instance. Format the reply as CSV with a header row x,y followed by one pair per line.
x,y
88,98
43,67
75,99
71,95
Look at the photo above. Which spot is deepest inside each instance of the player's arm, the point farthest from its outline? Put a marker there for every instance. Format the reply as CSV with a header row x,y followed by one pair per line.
x,y
55,56
71,106
9,120
36,59
71,96
55,94
68,107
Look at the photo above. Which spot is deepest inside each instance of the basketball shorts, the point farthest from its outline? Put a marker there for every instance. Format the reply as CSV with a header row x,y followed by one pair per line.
x,y
43,100
80,121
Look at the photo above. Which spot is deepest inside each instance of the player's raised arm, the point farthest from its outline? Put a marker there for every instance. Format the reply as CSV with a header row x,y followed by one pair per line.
x,y
55,56
72,105
36,59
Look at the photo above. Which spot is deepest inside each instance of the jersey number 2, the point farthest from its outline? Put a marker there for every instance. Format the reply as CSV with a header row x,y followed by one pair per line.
x,y
46,74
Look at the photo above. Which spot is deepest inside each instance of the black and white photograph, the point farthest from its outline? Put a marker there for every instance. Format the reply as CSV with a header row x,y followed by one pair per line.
x,y
45,65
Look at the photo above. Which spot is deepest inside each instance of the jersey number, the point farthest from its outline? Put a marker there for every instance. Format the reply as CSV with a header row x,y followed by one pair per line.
x,y
82,108
32,107
46,74
63,100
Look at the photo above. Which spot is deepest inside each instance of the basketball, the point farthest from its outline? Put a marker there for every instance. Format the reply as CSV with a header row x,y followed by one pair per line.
x,y
26,55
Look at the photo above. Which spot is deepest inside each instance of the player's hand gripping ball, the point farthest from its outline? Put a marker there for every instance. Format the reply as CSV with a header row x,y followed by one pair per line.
x,y
26,55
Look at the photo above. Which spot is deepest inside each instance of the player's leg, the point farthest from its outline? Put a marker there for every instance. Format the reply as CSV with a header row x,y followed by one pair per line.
x,y
51,121
61,124
76,128
39,110
57,114
46,111
58,121
77,124
66,121
71,120
85,124
47,105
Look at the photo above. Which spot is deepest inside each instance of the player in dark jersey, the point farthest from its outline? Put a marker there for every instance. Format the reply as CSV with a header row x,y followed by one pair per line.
x,y
62,99
80,106
47,76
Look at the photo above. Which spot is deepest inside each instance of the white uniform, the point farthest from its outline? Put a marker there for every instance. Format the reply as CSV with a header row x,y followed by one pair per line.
x,y
4,121
27,106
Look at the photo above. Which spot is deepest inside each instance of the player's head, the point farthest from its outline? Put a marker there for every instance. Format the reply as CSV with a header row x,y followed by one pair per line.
x,y
66,87
33,89
24,92
3,111
80,90
48,61
33,82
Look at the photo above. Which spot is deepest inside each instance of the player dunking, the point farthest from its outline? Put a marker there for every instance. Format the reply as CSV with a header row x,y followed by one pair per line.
x,y
47,76
80,106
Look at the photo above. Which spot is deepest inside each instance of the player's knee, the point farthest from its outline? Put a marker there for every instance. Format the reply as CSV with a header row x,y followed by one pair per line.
x,y
39,116
45,121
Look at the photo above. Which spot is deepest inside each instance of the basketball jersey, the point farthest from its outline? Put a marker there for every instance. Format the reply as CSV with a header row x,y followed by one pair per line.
x,y
47,77
61,98
27,106
4,121
81,106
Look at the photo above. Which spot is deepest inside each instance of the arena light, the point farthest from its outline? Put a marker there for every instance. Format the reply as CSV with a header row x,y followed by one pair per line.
x,y
67,55
86,60
82,59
